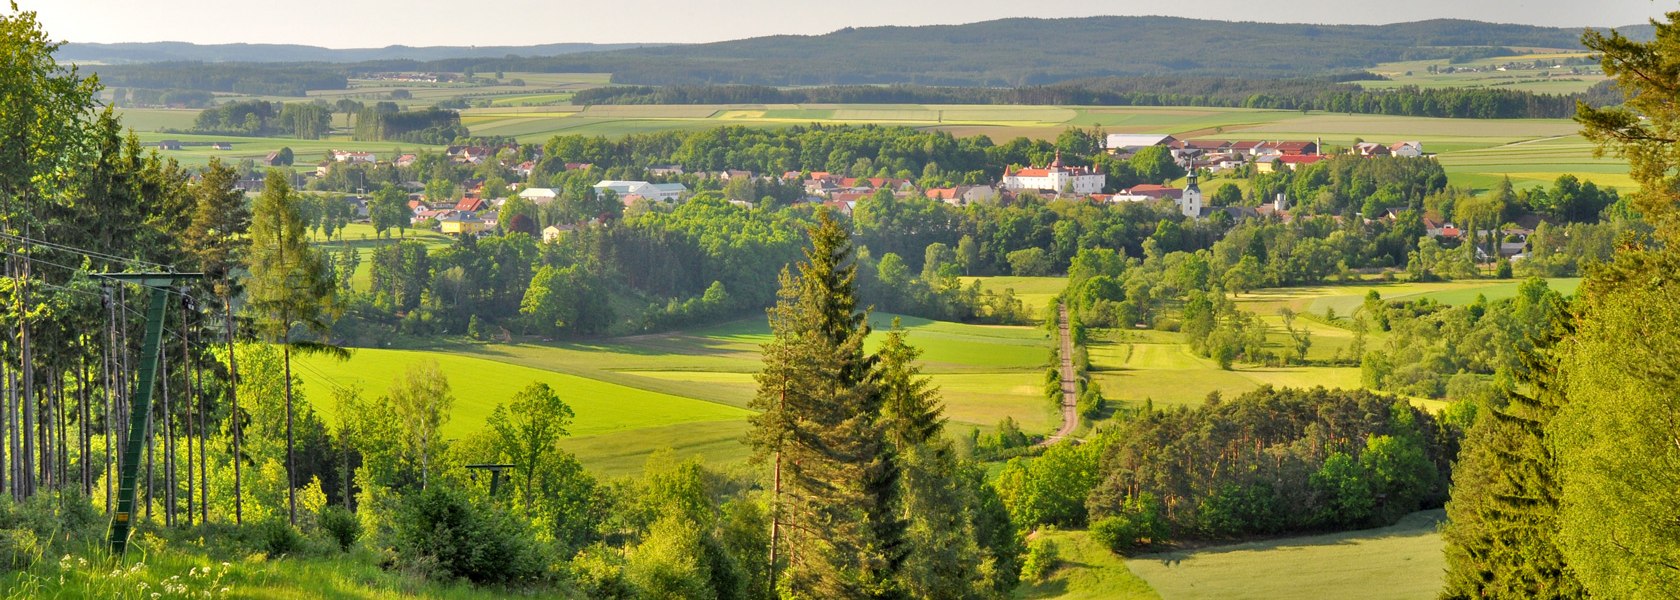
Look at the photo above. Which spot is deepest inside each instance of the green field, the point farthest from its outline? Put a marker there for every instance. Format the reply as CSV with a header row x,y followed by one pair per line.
x,y
1035,292
365,239
1542,81
1088,572
480,385
688,390
1403,561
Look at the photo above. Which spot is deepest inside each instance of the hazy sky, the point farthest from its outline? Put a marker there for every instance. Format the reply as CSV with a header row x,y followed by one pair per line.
x,y
375,23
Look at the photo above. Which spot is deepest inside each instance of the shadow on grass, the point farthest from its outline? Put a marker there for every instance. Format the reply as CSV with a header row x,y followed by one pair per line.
x,y
1412,525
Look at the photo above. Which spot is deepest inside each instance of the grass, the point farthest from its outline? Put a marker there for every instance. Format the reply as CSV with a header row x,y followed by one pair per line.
x,y
1402,561
688,390
480,385
1035,292
178,570
365,239
1137,366
1556,81
1088,571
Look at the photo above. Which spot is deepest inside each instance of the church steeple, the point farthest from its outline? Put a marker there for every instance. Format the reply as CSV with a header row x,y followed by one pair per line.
x,y
1191,183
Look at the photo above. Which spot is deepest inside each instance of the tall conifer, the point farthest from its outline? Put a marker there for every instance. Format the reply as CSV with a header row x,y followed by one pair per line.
x,y
835,482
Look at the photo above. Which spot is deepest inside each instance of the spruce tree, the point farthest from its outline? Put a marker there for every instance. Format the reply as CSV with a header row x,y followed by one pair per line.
x,y
943,558
834,524
1503,515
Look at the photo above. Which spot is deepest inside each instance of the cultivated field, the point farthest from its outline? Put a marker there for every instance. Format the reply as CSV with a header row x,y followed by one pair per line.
x,y
1542,81
1403,561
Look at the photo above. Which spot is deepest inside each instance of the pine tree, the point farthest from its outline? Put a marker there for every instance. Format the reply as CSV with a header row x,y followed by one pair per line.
x,y
1503,515
835,480
289,287
943,558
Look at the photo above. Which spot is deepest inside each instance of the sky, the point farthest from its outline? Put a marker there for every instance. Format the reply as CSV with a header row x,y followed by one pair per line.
x,y
378,23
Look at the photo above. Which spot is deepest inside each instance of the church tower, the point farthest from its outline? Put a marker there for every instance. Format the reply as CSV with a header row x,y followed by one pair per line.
x,y
1191,202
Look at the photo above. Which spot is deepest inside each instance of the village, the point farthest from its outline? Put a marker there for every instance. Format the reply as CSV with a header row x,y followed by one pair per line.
x,y
474,214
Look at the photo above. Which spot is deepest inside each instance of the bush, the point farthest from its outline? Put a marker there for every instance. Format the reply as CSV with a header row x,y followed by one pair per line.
x,y
1138,524
1042,558
276,537
19,549
340,525
439,531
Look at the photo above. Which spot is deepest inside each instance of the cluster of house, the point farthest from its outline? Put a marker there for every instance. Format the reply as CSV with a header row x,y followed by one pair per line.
x,y
178,144
472,214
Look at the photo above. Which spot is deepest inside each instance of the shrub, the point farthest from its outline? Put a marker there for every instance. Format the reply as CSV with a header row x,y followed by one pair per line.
x,y
598,572
276,537
1042,559
1138,524
19,549
340,525
440,531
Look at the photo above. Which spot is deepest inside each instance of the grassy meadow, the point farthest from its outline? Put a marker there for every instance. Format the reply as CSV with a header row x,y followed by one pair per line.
x,y
1402,561
1088,571
688,390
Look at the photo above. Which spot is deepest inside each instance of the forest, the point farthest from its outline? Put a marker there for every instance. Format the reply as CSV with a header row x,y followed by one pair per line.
x,y
1332,94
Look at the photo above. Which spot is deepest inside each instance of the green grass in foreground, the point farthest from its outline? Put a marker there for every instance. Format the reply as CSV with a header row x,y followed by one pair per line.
x,y
1401,561
176,570
1088,571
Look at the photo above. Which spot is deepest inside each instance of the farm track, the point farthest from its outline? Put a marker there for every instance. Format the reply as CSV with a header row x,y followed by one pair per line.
x,y
1070,389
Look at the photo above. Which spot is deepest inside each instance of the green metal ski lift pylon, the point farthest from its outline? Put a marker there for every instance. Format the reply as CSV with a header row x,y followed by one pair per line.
x,y
140,411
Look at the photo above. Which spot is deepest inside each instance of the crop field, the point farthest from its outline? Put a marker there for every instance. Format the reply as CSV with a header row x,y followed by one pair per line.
x,y
1403,561
688,390
1543,81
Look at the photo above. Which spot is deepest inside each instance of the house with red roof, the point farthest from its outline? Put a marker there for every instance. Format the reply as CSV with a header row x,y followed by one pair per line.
x,y
1055,178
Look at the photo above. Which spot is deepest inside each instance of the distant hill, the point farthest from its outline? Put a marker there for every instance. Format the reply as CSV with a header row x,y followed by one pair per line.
x,y
1008,53
1018,52
150,52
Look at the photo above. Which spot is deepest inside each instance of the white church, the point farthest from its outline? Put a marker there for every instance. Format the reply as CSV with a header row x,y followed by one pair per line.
x,y
1056,178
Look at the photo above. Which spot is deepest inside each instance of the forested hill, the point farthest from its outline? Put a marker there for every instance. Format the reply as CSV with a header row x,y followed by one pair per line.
x,y
147,52
1019,52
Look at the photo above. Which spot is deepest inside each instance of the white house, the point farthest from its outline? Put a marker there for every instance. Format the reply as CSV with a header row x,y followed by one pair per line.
x,y
1407,149
1056,178
664,192
1131,142
353,157
539,195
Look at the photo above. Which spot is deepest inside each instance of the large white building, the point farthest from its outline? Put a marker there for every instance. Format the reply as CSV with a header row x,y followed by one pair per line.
x,y
1056,178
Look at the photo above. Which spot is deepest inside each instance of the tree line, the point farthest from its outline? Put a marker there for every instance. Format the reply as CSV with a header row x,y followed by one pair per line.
x,y
1321,94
